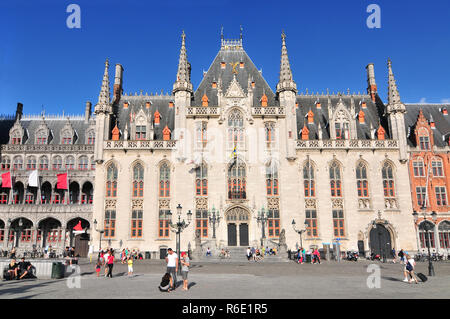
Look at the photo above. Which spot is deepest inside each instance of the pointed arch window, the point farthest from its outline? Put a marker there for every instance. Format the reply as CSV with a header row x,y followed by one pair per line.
x,y
272,179
362,183
235,130
41,137
201,180
309,183
237,180
6,163
111,181
43,163
83,163
427,240
90,137
418,167
270,134
17,163
16,137
200,134
335,180
164,180
388,180
57,163
70,163
138,180
31,163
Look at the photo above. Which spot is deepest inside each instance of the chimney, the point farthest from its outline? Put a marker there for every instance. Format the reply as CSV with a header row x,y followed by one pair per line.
x,y
371,84
87,111
118,82
19,111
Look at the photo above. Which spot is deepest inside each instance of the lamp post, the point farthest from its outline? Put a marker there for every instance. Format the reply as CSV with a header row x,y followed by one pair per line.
x,y
213,219
9,230
427,228
178,227
101,231
262,218
299,231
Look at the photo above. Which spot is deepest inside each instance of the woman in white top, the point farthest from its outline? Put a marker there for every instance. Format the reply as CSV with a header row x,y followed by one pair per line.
x,y
409,268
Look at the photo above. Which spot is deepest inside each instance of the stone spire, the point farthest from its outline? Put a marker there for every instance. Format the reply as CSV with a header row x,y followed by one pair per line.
x,y
104,96
183,82
394,102
286,82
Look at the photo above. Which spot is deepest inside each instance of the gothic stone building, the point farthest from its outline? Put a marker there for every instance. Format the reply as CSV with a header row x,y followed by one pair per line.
x,y
336,164
37,217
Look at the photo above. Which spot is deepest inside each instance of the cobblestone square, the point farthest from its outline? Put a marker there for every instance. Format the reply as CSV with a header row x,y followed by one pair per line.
x,y
239,280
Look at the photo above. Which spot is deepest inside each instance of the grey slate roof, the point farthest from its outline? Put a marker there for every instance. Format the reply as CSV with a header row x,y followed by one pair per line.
x,y
442,122
137,102
308,102
249,71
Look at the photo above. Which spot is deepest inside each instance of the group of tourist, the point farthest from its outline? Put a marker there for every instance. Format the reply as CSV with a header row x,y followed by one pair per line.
x,y
169,280
105,259
257,254
302,255
21,270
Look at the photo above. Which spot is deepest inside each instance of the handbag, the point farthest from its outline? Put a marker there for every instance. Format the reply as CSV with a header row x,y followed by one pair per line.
x,y
409,267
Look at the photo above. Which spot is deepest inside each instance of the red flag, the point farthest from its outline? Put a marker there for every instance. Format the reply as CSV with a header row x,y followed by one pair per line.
x,y
6,180
62,181
78,226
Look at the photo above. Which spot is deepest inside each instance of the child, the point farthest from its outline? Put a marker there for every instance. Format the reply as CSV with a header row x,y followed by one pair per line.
x,y
98,268
130,266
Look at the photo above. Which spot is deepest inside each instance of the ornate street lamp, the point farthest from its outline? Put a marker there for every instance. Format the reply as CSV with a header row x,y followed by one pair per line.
x,y
101,231
427,227
178,228
299,231
262,219
213,219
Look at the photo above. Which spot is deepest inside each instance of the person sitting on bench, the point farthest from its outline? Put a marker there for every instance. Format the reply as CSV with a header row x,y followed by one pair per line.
x,y
13,269
25,269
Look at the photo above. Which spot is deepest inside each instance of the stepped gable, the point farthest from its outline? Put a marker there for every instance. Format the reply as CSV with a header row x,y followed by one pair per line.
x,y
157,102
233,54
442,122
308,102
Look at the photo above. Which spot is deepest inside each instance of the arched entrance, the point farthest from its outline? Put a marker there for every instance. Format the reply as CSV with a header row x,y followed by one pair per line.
x,y
380,240
237,226
78,236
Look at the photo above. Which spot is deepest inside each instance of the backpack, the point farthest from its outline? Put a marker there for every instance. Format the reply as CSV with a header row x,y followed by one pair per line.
x,y
409,267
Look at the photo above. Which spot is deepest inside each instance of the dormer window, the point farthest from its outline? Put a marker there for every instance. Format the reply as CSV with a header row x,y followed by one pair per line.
x,y
141,131
41,137
90,138
214,85
16,138
241,65
341,130
66,137
424,139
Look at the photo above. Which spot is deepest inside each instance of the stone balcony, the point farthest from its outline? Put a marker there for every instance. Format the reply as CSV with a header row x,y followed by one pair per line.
x,y
268,111
202,111
347,144
142,145
46,208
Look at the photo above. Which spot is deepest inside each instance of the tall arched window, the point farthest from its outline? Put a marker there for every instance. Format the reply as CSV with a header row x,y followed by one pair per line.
x,y
111,181
31,163
41,137
17,163
83,163
335,180
235,130
201,180
444,234
362,183
426,240
272,179
237,180
57,163
43,163
66,137
70,162
308,180
388,180
90,138
164,180
138,180
418,167
6,163
270,132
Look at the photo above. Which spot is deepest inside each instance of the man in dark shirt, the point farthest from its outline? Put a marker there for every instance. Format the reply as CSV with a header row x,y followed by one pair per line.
x,y
25,268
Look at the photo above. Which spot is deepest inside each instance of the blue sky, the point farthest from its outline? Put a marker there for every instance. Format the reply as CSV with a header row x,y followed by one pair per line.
x,y
45,63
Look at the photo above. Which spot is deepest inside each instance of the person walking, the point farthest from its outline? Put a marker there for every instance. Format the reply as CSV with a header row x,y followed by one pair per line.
x,y
316,256
401,254
249,253
409,267
185,263
106,256
110,263
130,266
172,265
98,268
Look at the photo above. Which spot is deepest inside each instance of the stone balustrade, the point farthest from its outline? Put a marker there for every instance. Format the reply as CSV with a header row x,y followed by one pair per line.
x,y
149,145
200,111
347,144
